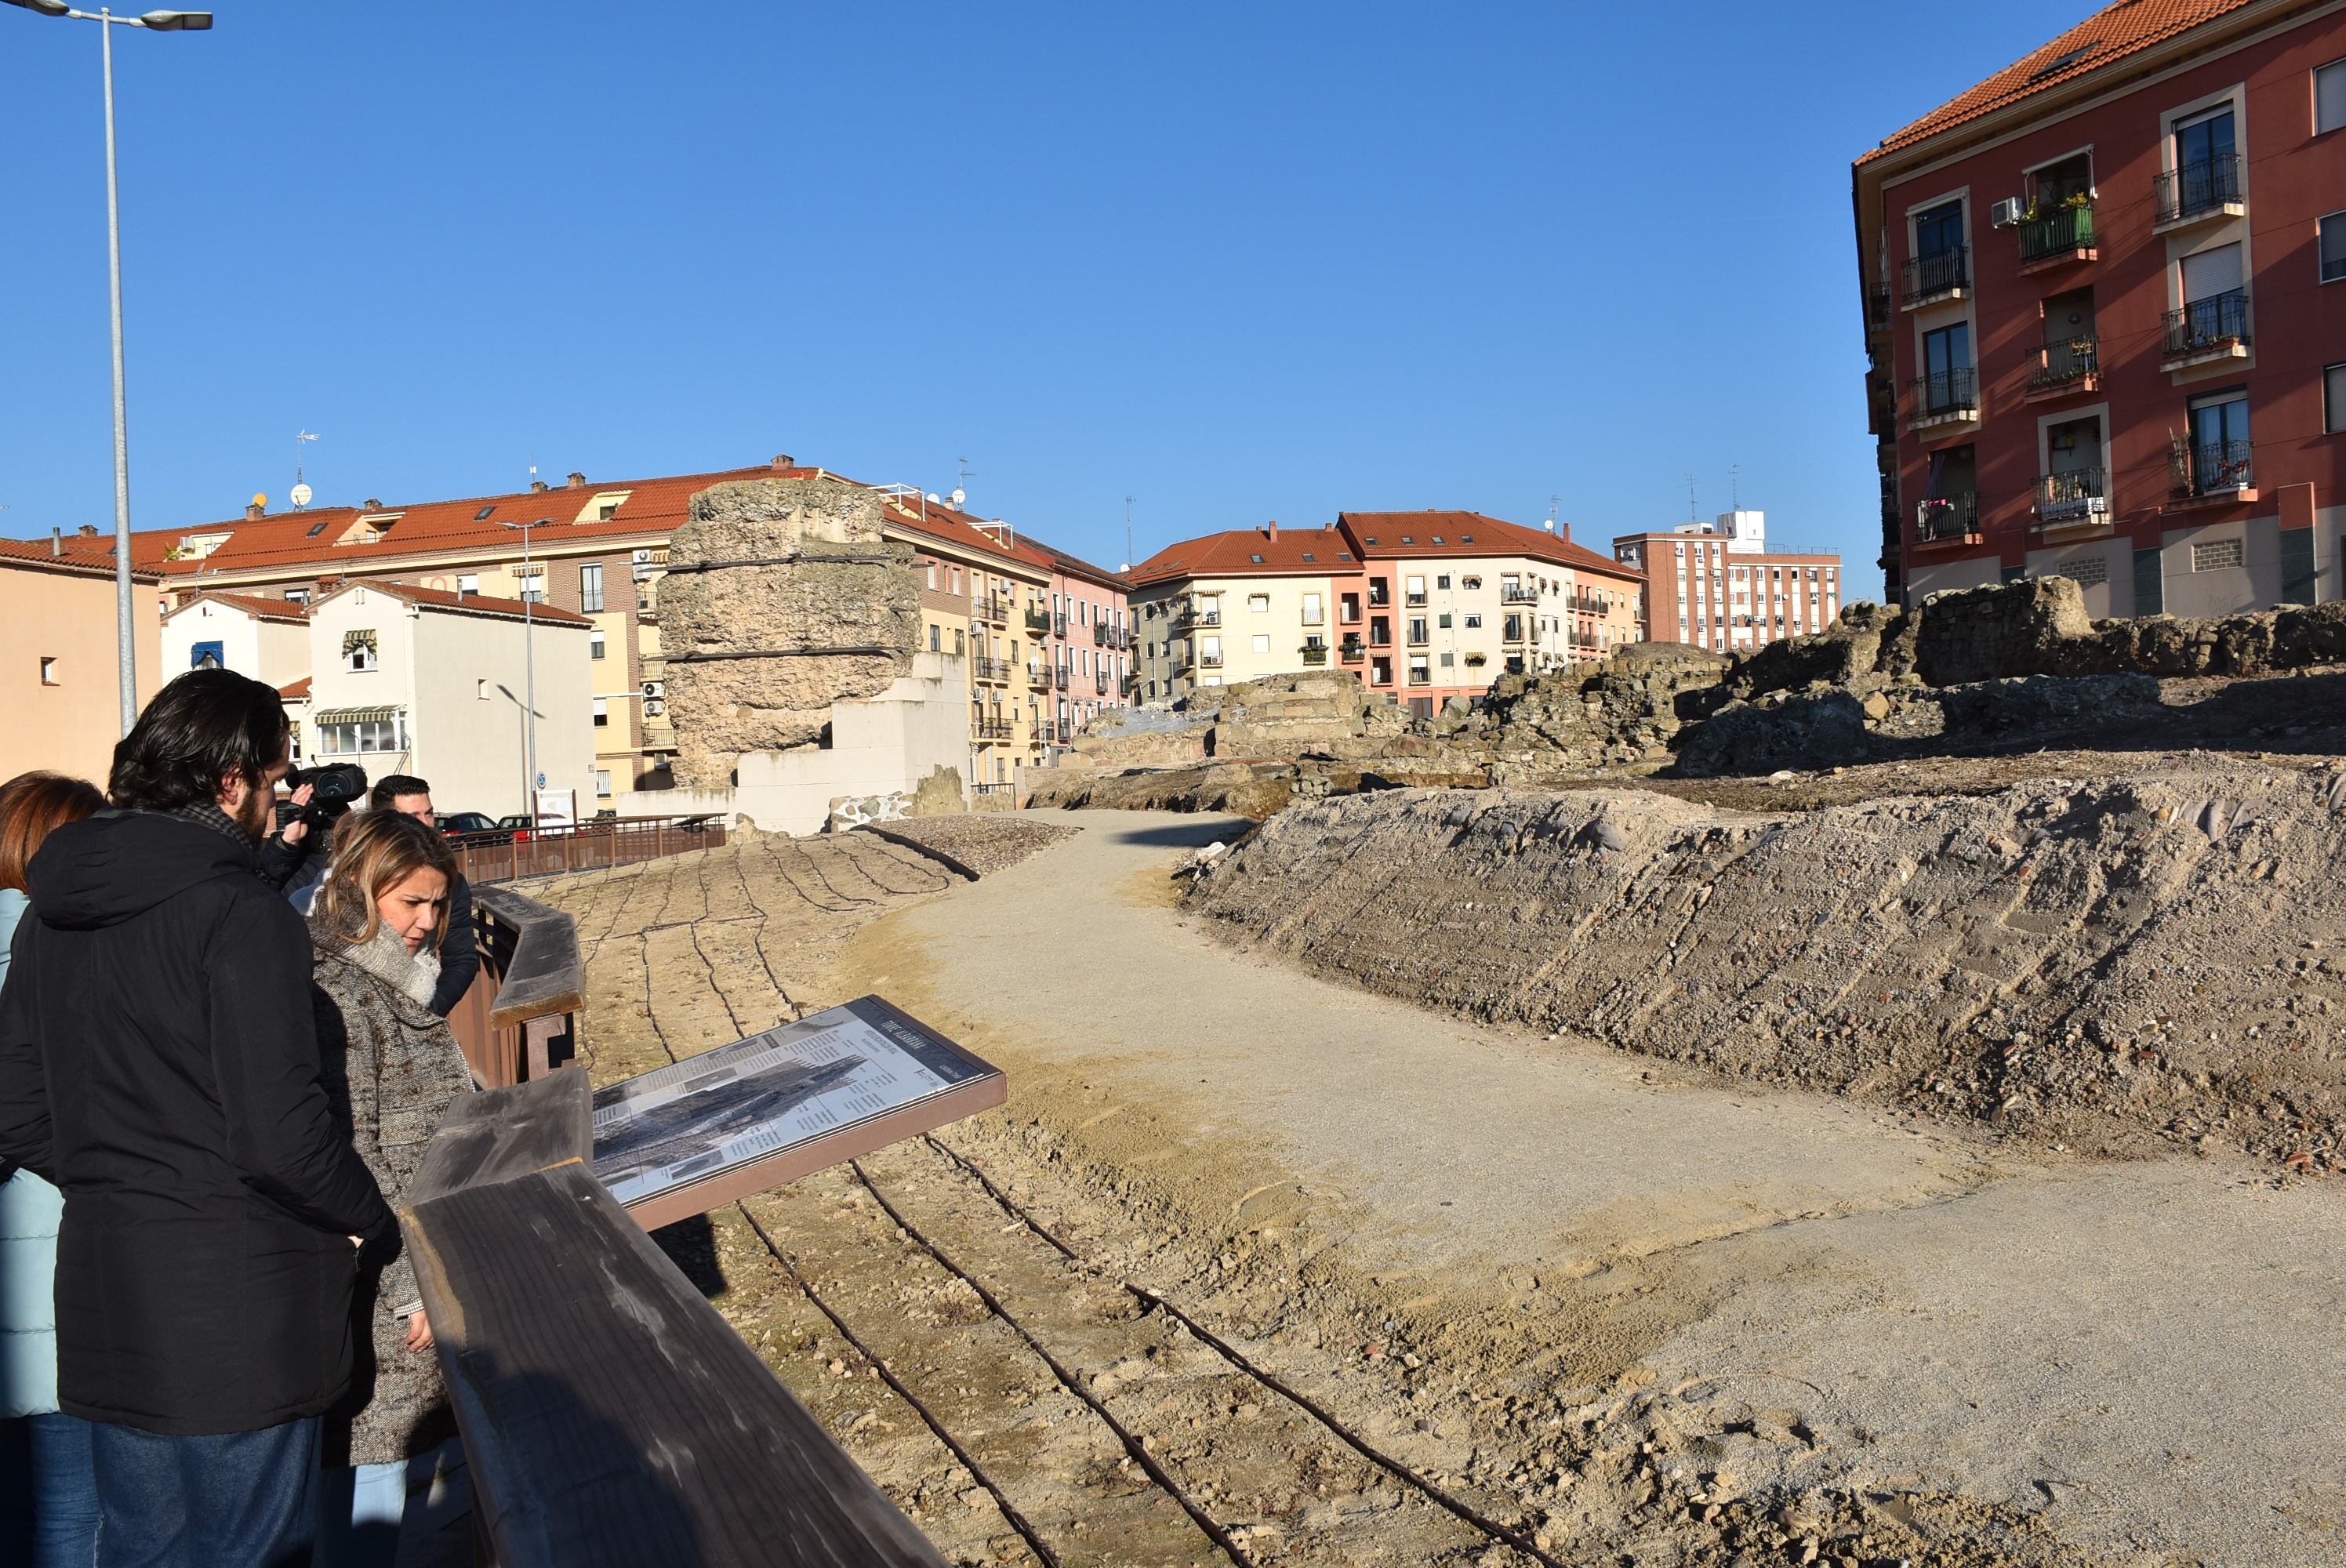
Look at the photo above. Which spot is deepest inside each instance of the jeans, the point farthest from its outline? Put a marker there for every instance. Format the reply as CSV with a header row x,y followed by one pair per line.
x,y
48,1499
238,1500
364,1513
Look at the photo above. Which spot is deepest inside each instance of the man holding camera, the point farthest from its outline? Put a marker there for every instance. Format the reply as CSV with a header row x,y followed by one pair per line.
x,y
159,1063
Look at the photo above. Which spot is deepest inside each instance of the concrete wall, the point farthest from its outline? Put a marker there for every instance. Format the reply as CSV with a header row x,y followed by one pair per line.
x,y
1927,576
878,745
70,726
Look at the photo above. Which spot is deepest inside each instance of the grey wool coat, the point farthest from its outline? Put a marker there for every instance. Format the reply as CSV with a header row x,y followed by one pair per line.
x,y
392,1071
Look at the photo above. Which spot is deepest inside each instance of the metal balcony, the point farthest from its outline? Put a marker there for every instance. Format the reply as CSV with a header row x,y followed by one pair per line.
x,y
2220,470
2069,366
2215,328
1038,621
1518,596
989,607
1351,652
2076,499
1945,519
1943,275
983,668
1315,654
990,728
2199,192
2064,234
1942,397
1421,678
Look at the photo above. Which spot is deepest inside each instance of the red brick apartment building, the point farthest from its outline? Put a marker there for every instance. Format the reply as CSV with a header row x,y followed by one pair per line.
x,y
2105,310
1722,588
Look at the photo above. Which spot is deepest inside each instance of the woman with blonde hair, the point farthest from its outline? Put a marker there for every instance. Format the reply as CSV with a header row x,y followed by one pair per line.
x,y
394,1069
48,1499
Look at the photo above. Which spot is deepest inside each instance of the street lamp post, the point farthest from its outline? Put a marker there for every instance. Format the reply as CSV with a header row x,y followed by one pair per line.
x,y
529,673
126,641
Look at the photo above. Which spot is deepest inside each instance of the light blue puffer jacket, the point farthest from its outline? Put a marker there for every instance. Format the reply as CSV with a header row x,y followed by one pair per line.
x,y
29,1210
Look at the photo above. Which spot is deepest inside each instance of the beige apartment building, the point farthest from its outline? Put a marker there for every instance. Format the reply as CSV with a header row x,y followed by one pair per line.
x,y
1422,605
59,669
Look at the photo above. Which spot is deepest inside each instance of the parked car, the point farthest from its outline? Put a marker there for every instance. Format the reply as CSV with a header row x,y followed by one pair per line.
x,y
518,826
456,822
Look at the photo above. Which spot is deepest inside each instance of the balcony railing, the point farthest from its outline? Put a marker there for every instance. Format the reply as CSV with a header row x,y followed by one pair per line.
x,y
2060,232
1058,625
2217,323
2080,496
1414,601
1517,596
987,668
1513,630
990,728
1943,395
1944,517
1046,731
1938,275
2065,363
1877,311
1188,621
1378,597
1350,653
2216,468
1315,654
989,607
1209,660
2199,189
1109,636
1419,676
1038,620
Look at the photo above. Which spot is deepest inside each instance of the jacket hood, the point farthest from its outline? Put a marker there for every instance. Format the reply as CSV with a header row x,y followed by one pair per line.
x,y
117,865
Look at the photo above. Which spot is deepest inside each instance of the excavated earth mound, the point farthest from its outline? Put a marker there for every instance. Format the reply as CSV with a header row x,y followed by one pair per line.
x,y
2096,965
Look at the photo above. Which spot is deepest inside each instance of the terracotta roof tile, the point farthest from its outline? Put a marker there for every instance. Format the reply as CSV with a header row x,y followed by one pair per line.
x,y
2100,40
80,562
1399,535
297,692
1251,552
256,604
464,604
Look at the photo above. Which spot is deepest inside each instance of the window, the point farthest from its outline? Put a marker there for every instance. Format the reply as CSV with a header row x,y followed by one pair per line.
x,y
481,690
1448,661
208,656
2333,248
533,585
297,596
358,650
937,634
1443,620
357,737
590,588
2216,555
2330,96
482,514
467,584
1947,369
1311,612
1417,629
49,671
1444,580
1258,603
1939,230
1256,559
595,644
602,713
1262,642
2333,399
1415,590
603,782
1474,622
2085,573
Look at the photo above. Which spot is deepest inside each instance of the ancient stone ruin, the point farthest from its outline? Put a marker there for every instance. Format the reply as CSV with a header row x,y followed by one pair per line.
x,y
780,598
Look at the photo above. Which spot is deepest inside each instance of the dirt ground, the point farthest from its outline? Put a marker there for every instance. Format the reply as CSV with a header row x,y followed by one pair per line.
x,y
1258,1269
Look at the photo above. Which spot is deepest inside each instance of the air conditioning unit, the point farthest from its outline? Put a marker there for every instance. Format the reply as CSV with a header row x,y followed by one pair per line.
x,y
654,707
655,688
2006,213
2097,505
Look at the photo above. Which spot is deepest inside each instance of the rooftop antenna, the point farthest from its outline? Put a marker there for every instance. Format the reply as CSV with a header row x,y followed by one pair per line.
x,y
1128,528
1735,486
301,493
1693,514
1555,504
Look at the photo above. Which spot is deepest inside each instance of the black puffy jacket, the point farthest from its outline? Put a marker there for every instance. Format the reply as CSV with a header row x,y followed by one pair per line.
x,y
159,1061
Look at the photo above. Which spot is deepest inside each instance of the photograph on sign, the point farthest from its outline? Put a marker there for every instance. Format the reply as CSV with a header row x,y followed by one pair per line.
x,y
750,1102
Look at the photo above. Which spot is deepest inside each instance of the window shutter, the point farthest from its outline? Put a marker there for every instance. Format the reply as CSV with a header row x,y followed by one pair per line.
x,y
2211,273
2330,97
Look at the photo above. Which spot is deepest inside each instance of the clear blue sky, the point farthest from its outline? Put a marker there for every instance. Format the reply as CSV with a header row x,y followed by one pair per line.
x,y
1241,262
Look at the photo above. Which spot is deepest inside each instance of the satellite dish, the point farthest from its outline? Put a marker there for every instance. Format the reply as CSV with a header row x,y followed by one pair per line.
x,y
259,500
301,495
958,496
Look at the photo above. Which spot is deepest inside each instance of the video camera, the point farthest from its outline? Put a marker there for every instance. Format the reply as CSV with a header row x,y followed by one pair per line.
x,y
333,787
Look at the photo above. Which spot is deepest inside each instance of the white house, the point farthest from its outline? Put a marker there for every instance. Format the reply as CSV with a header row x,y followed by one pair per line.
x,y
266,638
431,683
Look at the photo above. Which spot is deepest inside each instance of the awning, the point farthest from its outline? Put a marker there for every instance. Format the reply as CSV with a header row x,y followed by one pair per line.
x,y
354,715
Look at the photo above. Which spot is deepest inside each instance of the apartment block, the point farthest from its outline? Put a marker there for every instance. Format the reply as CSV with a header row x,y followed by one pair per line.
x,y
1423,605
1721,587
60,668
2105,298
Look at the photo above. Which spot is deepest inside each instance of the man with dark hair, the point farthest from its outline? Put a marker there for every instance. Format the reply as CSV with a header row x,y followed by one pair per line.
x,y
159,1063
460,957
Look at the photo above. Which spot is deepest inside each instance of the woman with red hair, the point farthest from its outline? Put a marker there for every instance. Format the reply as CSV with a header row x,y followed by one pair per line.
x,y
48,1496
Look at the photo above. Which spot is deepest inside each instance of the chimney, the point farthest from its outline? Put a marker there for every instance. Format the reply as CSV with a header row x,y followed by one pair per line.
x,y
88,530
57,542
373,505
253,513
537,487
576,479
782,460
1270,529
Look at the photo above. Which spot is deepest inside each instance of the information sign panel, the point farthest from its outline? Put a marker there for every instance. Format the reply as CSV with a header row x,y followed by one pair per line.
x,y
775,1106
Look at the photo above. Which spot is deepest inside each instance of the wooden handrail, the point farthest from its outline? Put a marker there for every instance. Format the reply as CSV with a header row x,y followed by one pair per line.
x,y
518,1019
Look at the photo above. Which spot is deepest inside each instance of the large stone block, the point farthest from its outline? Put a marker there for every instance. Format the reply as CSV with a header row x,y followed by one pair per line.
x,y
781,598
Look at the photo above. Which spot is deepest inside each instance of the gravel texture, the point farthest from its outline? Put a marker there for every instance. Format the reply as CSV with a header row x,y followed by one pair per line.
x,y
977,844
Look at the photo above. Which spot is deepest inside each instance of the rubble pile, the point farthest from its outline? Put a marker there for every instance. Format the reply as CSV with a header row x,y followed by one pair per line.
x,y
2155,955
